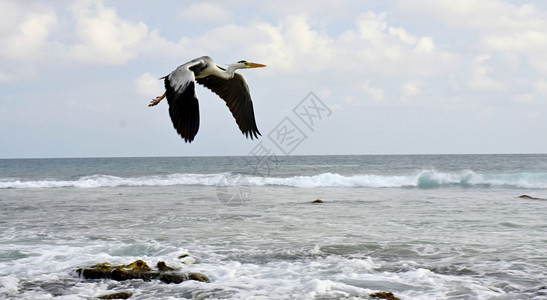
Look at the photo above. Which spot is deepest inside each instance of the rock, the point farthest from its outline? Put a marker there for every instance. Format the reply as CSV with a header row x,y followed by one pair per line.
x,y
139,265
173,277
198,277
96,271
187,259
384,295
530,197
121,295
138,270
317,201
163,267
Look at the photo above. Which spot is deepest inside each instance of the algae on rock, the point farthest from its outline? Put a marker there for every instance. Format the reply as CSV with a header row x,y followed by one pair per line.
x,y
138,270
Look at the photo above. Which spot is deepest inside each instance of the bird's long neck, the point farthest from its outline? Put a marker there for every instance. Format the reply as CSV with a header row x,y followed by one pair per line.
x,y
226,74
230,70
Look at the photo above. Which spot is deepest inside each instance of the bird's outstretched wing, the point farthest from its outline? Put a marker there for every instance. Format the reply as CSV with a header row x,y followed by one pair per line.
x,y
235,93
183,102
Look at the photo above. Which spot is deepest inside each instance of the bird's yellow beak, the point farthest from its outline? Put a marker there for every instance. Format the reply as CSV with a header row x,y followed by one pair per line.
x,y
254,65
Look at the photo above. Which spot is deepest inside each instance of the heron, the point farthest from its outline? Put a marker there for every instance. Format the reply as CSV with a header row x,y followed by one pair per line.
x,y
180,91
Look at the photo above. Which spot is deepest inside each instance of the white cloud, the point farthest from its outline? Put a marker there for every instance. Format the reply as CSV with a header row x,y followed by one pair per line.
x,y
26,31
377,49
520,42
227,37
290,46
403,35
481,77
410,89
370,47
293,46
104,37
374,93
35,36
530,44
203,12
326,9
490,15
10,14
536,95
371,27
28,37
541,86
499,26
425,45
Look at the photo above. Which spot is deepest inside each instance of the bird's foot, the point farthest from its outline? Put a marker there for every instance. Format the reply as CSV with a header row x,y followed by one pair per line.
x,y
156,100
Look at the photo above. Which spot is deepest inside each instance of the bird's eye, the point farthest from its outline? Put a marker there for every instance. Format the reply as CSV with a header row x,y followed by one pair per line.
x,y
241,62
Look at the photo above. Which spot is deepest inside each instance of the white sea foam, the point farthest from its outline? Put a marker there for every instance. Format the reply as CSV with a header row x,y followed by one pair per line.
x,y
420,179
9,284
112,181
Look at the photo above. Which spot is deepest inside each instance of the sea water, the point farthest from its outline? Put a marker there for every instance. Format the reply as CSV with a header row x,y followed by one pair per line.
x,y
419,226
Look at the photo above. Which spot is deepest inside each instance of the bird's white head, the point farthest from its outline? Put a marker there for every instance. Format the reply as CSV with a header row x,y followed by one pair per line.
x,y
243,64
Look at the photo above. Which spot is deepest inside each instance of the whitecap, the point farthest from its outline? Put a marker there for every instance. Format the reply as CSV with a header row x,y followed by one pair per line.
x,y
420,179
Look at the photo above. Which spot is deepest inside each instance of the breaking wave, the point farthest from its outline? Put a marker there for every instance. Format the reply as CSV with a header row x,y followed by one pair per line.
x,y
423,179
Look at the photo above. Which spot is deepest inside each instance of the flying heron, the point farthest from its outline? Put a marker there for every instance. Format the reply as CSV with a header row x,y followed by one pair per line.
x,y
180,90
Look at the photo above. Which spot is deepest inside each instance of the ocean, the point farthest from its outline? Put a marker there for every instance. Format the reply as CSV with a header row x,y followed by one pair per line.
x,y
418,226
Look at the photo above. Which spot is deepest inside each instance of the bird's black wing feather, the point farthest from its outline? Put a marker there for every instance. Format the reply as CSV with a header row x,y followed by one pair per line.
x,y
183,108
235,93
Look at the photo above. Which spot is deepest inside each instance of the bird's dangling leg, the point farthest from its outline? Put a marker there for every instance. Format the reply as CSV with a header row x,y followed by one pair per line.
x,y
156,100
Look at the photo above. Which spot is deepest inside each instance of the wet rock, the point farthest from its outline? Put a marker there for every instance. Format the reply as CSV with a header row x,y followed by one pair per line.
x,y
187,259
98,271
198,277
384,295
139,265
163,267
530,197
172,277
138,270
121,295
317,201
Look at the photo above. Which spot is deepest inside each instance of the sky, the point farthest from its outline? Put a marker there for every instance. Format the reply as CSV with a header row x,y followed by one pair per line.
x,y
342,77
